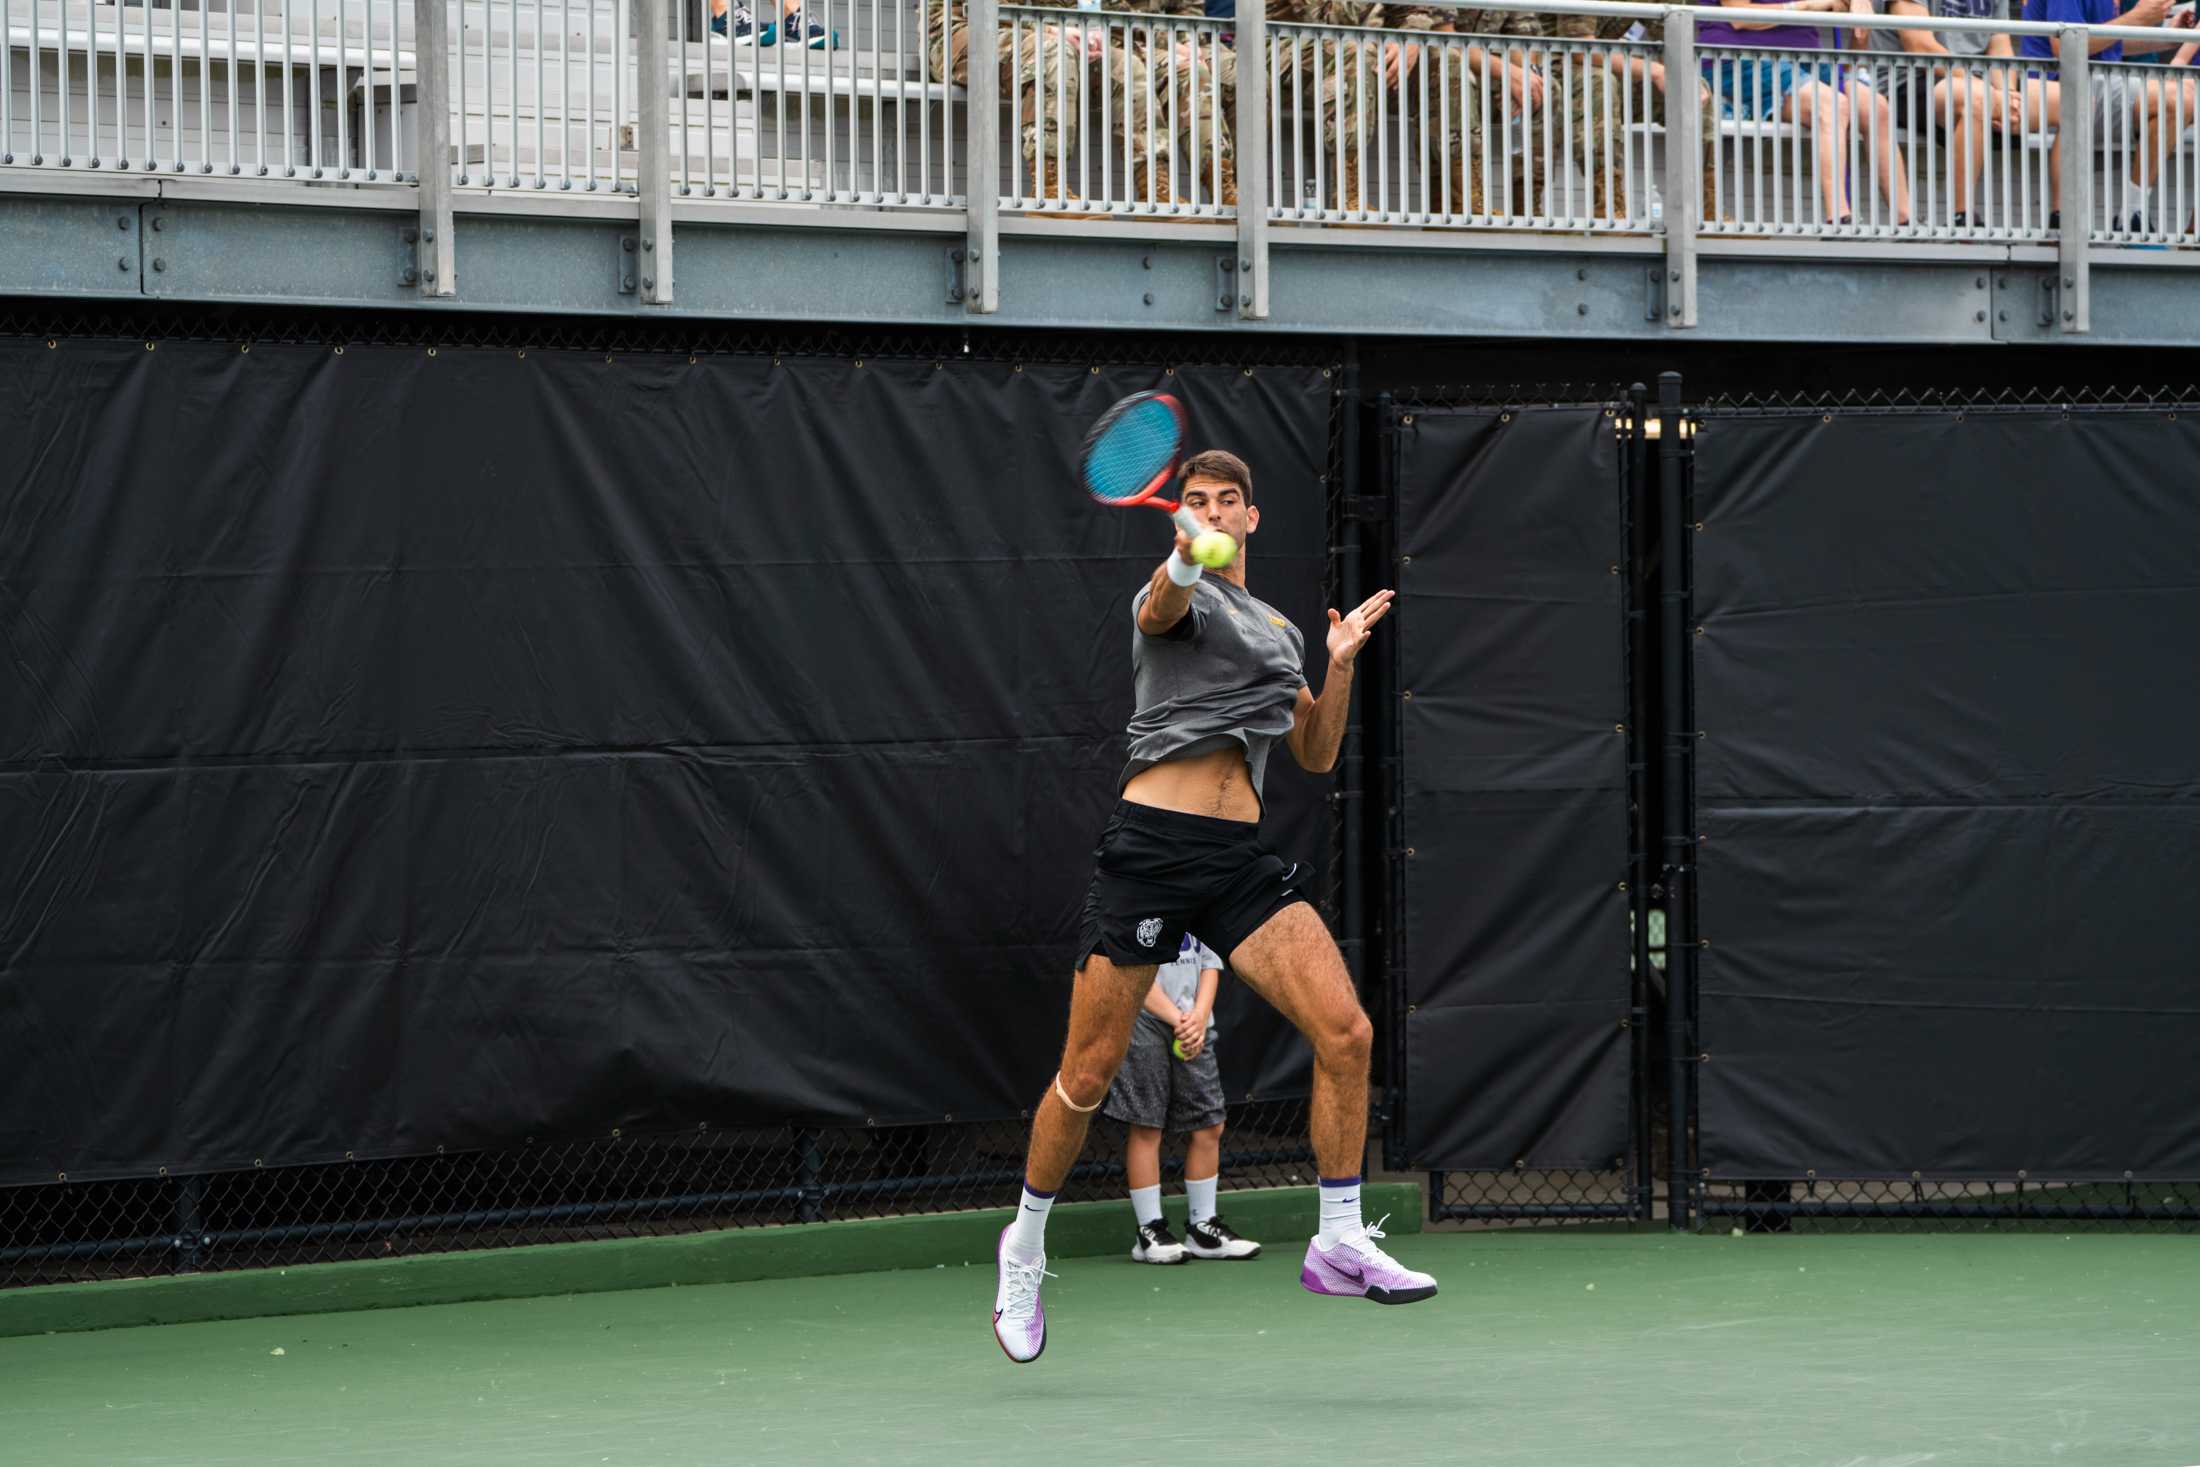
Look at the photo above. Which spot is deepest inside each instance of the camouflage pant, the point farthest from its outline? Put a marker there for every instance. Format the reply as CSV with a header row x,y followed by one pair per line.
x,y
1055,78
1509,143
1336,72
1199,70
1600,103
1052,69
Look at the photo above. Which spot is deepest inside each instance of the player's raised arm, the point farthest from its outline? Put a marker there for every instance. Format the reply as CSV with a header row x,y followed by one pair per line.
x,y
1169,593
1317,724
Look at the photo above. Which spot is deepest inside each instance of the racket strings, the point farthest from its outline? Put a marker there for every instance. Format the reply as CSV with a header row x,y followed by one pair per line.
x,y
1128,452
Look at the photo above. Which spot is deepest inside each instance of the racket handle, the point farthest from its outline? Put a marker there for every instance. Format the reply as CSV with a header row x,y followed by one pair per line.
x,y
1188,523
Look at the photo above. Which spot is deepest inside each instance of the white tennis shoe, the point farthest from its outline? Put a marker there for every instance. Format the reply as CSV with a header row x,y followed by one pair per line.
x,y
1019,1319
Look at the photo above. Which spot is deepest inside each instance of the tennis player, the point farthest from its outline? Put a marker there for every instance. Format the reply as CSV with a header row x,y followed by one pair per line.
x,y
1219,680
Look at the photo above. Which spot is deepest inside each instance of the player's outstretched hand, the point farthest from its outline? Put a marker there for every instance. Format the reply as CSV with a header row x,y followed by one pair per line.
x,y
1348,634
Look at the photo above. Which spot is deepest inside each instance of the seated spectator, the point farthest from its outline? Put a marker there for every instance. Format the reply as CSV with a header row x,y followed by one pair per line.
x,y
1051,65
1967,102
1596,113
1806,93
1510,72
1196,92
1334,73
2120,98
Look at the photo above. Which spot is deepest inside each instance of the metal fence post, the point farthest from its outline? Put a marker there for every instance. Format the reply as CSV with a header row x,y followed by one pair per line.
x,y
190,1224
1644,829
2075,179
1387,787
809,1177
982,160
1252,159
1679,759
438,256
1684,180
653,113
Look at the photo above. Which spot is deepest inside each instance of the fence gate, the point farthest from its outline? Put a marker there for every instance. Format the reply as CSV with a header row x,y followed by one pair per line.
x,y
1520,1030
1945,811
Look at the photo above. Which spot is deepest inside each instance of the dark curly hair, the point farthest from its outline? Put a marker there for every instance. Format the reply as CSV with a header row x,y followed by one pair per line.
x,y
1216,463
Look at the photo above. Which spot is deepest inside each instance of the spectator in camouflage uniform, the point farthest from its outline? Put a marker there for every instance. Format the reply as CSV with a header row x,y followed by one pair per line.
x,y
1343,69
1515,66
1055,59
1597,110
1198,69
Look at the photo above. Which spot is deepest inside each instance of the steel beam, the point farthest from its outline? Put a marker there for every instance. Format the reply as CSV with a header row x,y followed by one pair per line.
x,y
217,244
982,237
653,114
438,256
1684,181
2076,179
1252,159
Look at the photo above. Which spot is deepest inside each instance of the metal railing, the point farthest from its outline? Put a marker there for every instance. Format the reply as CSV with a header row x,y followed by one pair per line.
x,y
541,98
1130,114
286,89
1878,146
1117,114
1441,130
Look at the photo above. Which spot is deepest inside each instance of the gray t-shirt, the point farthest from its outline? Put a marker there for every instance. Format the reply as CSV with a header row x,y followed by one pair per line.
x,y
1962,43
1179,977
1229,672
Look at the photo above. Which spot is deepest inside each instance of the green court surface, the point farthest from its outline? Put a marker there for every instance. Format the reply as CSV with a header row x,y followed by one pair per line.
x,y
1584,1351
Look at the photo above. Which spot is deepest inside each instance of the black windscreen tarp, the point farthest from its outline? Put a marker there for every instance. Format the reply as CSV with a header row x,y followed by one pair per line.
x,y
1948,792
402,750
1513,694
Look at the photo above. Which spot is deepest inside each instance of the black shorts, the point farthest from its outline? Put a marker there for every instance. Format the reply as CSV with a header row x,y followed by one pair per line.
x,y
1158,874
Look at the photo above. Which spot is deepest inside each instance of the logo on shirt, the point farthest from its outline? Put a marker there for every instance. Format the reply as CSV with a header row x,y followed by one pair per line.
x,y
1148,930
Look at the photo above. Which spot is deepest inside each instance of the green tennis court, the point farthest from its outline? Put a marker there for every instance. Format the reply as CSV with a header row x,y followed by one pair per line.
x,y
1608,1349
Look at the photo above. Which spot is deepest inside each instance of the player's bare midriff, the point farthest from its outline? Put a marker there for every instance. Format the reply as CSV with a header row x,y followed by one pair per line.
x,y
1215,784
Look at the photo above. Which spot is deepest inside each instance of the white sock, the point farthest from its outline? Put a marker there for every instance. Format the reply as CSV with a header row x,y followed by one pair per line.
x,y
1146,1202
1202,1195
2135,200
1340,1209
1027,1236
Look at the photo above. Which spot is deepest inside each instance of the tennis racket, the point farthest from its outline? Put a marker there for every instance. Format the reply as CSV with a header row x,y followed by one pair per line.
x,y
1131,453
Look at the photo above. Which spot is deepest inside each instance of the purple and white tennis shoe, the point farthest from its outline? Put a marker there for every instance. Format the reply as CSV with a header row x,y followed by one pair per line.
x,y
1019,1319
1356,1268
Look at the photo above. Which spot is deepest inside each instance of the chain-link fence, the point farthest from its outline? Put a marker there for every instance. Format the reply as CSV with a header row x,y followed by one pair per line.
x,y
1919,1203
123,321
628,1184
2020,1200
614,1186
1530,1193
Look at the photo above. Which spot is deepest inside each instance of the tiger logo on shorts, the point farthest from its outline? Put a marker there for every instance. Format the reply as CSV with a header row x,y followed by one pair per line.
x,y
1149,929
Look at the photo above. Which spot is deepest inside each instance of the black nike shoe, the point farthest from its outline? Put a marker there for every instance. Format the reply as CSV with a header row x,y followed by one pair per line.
x,y
1213,1239
1156,1244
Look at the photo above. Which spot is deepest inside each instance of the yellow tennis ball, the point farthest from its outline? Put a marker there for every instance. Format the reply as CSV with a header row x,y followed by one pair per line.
x,y
1214,549
1176,1046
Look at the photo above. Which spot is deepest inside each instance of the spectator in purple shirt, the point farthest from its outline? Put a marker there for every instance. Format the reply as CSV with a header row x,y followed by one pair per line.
x,y
2120,98
1808,93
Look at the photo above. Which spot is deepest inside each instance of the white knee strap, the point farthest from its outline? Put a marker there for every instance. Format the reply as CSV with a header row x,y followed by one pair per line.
x,y
1083,1110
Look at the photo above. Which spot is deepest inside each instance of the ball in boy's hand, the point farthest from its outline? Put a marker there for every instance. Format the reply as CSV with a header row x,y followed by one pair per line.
x,y
1176,1047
